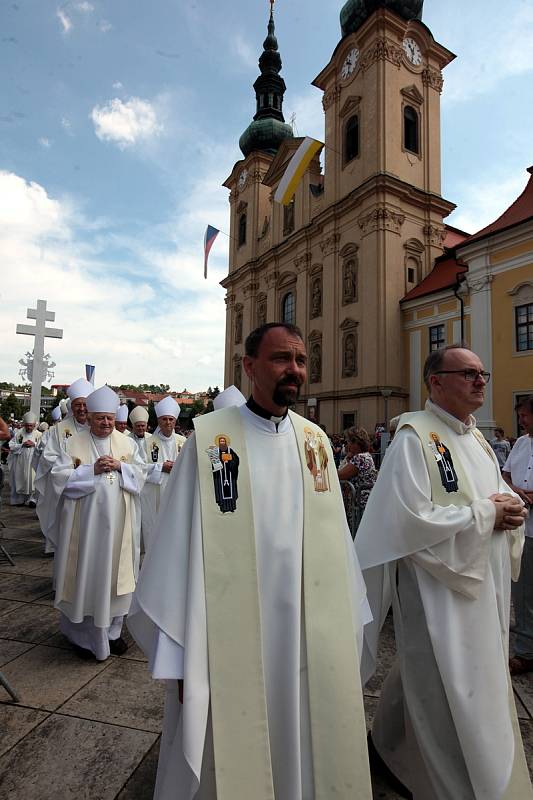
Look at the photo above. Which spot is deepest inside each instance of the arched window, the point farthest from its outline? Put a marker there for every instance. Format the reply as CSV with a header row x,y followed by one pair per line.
x,y
411,138
288,309
351,139
242,230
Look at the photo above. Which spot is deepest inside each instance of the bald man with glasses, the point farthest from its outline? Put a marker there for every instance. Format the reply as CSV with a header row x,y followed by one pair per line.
x,y
440,539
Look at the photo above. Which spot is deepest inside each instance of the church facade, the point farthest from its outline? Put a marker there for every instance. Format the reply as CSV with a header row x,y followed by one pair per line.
x,y
362,231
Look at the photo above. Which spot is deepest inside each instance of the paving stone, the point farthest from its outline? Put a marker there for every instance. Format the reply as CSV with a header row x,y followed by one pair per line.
x,y
521,710
527,738
45,677
11,650
23,587
142,783
45,600
7,605
95,761
523,686
124,694
385,659
15,723
29,623
25,562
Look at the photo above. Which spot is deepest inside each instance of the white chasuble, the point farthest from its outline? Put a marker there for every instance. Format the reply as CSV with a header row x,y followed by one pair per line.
x,y
99,521
446,723
159,449
22,475
263,673
48,497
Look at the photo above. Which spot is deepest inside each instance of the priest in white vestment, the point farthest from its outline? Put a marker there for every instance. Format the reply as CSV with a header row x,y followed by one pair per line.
x,y
441,536
121,419
56,443
139,434
99,477
263,698
164,448
21,472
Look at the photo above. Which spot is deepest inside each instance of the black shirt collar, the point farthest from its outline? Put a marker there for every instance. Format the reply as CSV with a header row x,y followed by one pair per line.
x,y
262,412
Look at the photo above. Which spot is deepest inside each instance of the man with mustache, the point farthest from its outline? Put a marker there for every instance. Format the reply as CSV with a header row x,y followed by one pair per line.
x,y
440,539
253,611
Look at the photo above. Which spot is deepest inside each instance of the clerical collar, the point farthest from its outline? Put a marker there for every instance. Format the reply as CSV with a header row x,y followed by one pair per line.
x,y
262,412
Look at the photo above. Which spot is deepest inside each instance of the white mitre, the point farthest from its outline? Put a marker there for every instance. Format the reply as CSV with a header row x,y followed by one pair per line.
x,y
103,401
63,407
167,408
29,418
139,414
43,427
229,397
122,414
80,388
56,414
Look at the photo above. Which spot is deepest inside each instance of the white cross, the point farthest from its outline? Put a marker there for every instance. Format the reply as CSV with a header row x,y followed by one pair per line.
x,y
40,332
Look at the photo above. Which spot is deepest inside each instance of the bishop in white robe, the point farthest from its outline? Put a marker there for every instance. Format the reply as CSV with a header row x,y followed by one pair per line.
x,y
139,434
47,492
164,448
311,742
121,419
99,477
21,470
440,538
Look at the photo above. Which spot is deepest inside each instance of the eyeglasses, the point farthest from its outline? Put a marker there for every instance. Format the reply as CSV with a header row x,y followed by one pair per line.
x,y
468,374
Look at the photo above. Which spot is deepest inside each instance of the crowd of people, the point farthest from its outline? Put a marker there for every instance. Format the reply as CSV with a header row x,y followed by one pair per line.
x,y
260,612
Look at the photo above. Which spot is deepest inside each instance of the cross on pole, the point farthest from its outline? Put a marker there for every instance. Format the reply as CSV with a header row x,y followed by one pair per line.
x,y
40,332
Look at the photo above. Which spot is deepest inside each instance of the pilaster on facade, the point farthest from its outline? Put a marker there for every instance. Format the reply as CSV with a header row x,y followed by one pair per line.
x,y
381,219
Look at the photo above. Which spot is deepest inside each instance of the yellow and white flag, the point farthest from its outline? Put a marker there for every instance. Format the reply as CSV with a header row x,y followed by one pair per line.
x,y
297,166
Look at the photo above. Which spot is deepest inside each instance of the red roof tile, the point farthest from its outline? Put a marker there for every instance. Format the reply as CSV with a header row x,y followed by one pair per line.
x,y
454,237
520,211
442,276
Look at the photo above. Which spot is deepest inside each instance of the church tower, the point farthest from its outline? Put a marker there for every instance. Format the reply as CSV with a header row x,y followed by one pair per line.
x,y
359,235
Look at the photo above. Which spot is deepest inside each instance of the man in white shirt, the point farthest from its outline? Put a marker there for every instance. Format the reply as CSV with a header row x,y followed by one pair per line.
x,y
518,472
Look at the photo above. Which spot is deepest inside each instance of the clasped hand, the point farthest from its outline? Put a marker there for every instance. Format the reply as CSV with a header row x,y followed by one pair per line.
x,y
28,443
167,466
510,513
106,464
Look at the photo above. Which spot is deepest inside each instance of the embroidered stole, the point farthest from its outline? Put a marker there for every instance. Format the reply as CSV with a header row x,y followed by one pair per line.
x,y
238,702
155,442
80,448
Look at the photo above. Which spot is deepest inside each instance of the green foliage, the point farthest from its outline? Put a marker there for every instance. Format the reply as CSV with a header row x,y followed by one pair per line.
x,y
10,405
146,387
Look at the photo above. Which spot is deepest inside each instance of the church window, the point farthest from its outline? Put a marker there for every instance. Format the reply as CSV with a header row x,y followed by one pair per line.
x,y
242,230
351,139
288,309
524,327
271,100
436,337
411,130
261,101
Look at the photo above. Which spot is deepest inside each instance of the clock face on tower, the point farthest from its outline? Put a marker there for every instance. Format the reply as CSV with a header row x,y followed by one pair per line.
x,y
350,63
412,51
242,180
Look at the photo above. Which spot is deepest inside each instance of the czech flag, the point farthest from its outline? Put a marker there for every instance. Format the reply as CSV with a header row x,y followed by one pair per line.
x,y
297,166
209,240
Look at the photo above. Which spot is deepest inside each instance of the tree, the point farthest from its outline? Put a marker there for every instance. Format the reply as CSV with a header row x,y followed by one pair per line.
x,y
10,405
212,393
197,408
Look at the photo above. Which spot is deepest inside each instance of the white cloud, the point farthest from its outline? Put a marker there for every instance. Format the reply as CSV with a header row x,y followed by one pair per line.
x,y
118,85
159,323
126,123
308,114
66,124
494,54
44,142
85,7
64,19
243,49
105,26
481,203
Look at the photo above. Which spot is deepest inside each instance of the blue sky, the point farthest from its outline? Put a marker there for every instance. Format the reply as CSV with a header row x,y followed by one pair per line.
x,y
119,122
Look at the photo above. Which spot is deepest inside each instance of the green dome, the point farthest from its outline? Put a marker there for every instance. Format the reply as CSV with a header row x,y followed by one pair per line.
x,y
355,12
264,134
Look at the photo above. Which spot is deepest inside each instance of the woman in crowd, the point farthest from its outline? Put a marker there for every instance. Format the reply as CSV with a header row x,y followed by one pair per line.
x,y
359,469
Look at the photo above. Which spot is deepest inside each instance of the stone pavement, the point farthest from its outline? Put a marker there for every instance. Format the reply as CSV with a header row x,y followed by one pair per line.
x,y
89,730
